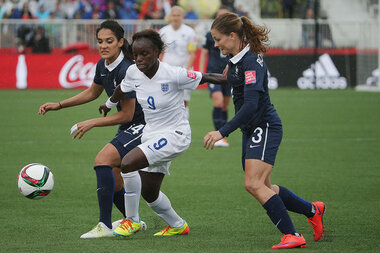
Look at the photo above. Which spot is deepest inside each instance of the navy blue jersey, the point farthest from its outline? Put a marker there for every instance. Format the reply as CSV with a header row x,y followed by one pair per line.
x,y
110,79
216,61
248,76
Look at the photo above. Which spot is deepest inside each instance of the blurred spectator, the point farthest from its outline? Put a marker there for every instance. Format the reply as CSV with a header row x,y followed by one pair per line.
x,y
59,12
39,42
149,10
128,11
70,7
111,12
240,12
42,13
191,14
288,8
96,12
229,3
25,12
3,9
102,4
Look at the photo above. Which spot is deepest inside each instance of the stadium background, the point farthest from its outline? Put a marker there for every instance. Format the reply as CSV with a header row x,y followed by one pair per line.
x,y
330,149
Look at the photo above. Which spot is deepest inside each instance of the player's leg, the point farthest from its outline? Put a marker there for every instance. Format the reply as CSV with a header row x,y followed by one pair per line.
x,y
217,111
161,204
256,174
105,160
313,211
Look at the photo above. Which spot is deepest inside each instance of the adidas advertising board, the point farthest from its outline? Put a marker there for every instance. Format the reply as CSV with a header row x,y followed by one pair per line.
x,y
322,74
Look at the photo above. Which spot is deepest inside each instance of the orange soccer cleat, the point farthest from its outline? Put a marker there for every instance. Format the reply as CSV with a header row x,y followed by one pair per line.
x,y
291,241
316,222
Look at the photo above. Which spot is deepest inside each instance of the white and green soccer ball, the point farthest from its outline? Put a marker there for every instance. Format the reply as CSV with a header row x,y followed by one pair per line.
x,y
35,181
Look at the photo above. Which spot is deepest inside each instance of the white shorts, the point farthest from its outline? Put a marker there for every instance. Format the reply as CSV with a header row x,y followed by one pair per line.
x,y
186,95
161,148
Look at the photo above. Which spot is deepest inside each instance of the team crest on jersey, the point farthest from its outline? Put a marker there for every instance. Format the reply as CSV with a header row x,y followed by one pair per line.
x,y
250,77
164,87
191,74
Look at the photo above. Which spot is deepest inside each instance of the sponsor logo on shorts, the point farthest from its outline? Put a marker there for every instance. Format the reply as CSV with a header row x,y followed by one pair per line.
x,y
191,74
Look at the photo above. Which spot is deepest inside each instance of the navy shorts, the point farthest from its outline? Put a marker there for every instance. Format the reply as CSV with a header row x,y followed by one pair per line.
x,y
225,89
126,140
262,143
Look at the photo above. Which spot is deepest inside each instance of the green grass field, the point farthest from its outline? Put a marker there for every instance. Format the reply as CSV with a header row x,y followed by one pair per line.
x,y
330,152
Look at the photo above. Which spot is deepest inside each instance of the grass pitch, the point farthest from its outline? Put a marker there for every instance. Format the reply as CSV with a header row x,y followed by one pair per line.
x,y
330,152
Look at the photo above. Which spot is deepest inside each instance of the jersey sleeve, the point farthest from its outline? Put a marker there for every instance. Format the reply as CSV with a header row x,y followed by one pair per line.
x,y
188,79
255,73
126,85
97,79
192,41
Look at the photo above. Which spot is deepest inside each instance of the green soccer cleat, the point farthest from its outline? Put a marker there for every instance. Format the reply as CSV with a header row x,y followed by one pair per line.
x,y
168,231
128,227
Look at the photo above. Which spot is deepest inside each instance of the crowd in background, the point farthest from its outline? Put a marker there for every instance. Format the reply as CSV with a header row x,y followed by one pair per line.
x,y
109,9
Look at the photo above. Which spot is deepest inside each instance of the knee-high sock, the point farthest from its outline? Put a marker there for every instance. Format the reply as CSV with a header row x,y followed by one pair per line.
x,y
163,208
132,184
105,191
217,117
296,204
119,202
277,212
224,117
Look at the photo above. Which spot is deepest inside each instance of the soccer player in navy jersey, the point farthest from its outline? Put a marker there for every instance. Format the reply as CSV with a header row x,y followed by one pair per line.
x,y
260,124
220,94
110,71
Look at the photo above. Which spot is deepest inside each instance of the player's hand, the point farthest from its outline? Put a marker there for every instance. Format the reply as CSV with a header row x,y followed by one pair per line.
x,y
210,139
48,107
81,128
104,109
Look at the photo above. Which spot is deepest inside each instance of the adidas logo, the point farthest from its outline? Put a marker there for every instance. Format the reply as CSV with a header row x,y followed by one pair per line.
x,y
327,76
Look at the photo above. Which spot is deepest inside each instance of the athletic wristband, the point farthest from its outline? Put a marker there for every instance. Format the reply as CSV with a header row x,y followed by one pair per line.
x,y
110,104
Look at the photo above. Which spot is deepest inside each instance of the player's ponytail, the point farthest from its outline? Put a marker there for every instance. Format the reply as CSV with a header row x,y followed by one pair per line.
x,y
118,31
248,32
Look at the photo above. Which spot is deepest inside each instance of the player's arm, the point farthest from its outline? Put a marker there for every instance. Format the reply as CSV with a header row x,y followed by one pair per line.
x,y
85,96
112,101
213,78
124,115
192,47
202,59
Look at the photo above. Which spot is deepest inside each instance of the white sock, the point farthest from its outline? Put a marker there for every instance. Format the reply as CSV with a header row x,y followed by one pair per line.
x,y
163,208
132,184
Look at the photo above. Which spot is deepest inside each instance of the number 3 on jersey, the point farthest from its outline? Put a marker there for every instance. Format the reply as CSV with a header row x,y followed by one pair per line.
x,y
151,104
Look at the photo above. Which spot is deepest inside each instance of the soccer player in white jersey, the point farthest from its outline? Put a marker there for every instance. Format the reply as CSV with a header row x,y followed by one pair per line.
x,y
167,134
181,44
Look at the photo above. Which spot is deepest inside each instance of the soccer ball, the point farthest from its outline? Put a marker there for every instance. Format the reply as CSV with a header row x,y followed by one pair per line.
x,y
35,181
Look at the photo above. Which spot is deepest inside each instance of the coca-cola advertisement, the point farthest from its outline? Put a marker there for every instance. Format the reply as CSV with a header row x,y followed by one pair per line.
x,y
32,71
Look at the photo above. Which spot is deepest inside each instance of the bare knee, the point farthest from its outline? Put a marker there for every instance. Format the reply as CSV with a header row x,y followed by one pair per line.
x,y
253,186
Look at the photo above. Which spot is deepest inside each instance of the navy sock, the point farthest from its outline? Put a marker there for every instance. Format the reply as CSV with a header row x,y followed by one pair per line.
x,y
118,200
217,117
296,204
105,191
224,117
277,212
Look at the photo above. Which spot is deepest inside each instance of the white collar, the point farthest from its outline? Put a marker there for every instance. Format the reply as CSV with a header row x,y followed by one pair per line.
x,y
113,65
240,55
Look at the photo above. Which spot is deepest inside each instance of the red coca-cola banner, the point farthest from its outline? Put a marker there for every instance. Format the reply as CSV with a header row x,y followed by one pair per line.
x,y
48,71
34,71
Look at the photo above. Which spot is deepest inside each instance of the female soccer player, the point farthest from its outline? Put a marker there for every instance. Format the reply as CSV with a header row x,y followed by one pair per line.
x,y
110,70
159,89
260,124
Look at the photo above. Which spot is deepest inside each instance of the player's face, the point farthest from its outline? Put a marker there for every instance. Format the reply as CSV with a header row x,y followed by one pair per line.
x,y
226,43
146,56
176,18
108,45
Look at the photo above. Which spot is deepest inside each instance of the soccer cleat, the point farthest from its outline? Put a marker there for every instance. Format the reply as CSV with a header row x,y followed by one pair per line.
x,y
221,143
128,227
316,222
100,230
115,224
290,241
168,231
